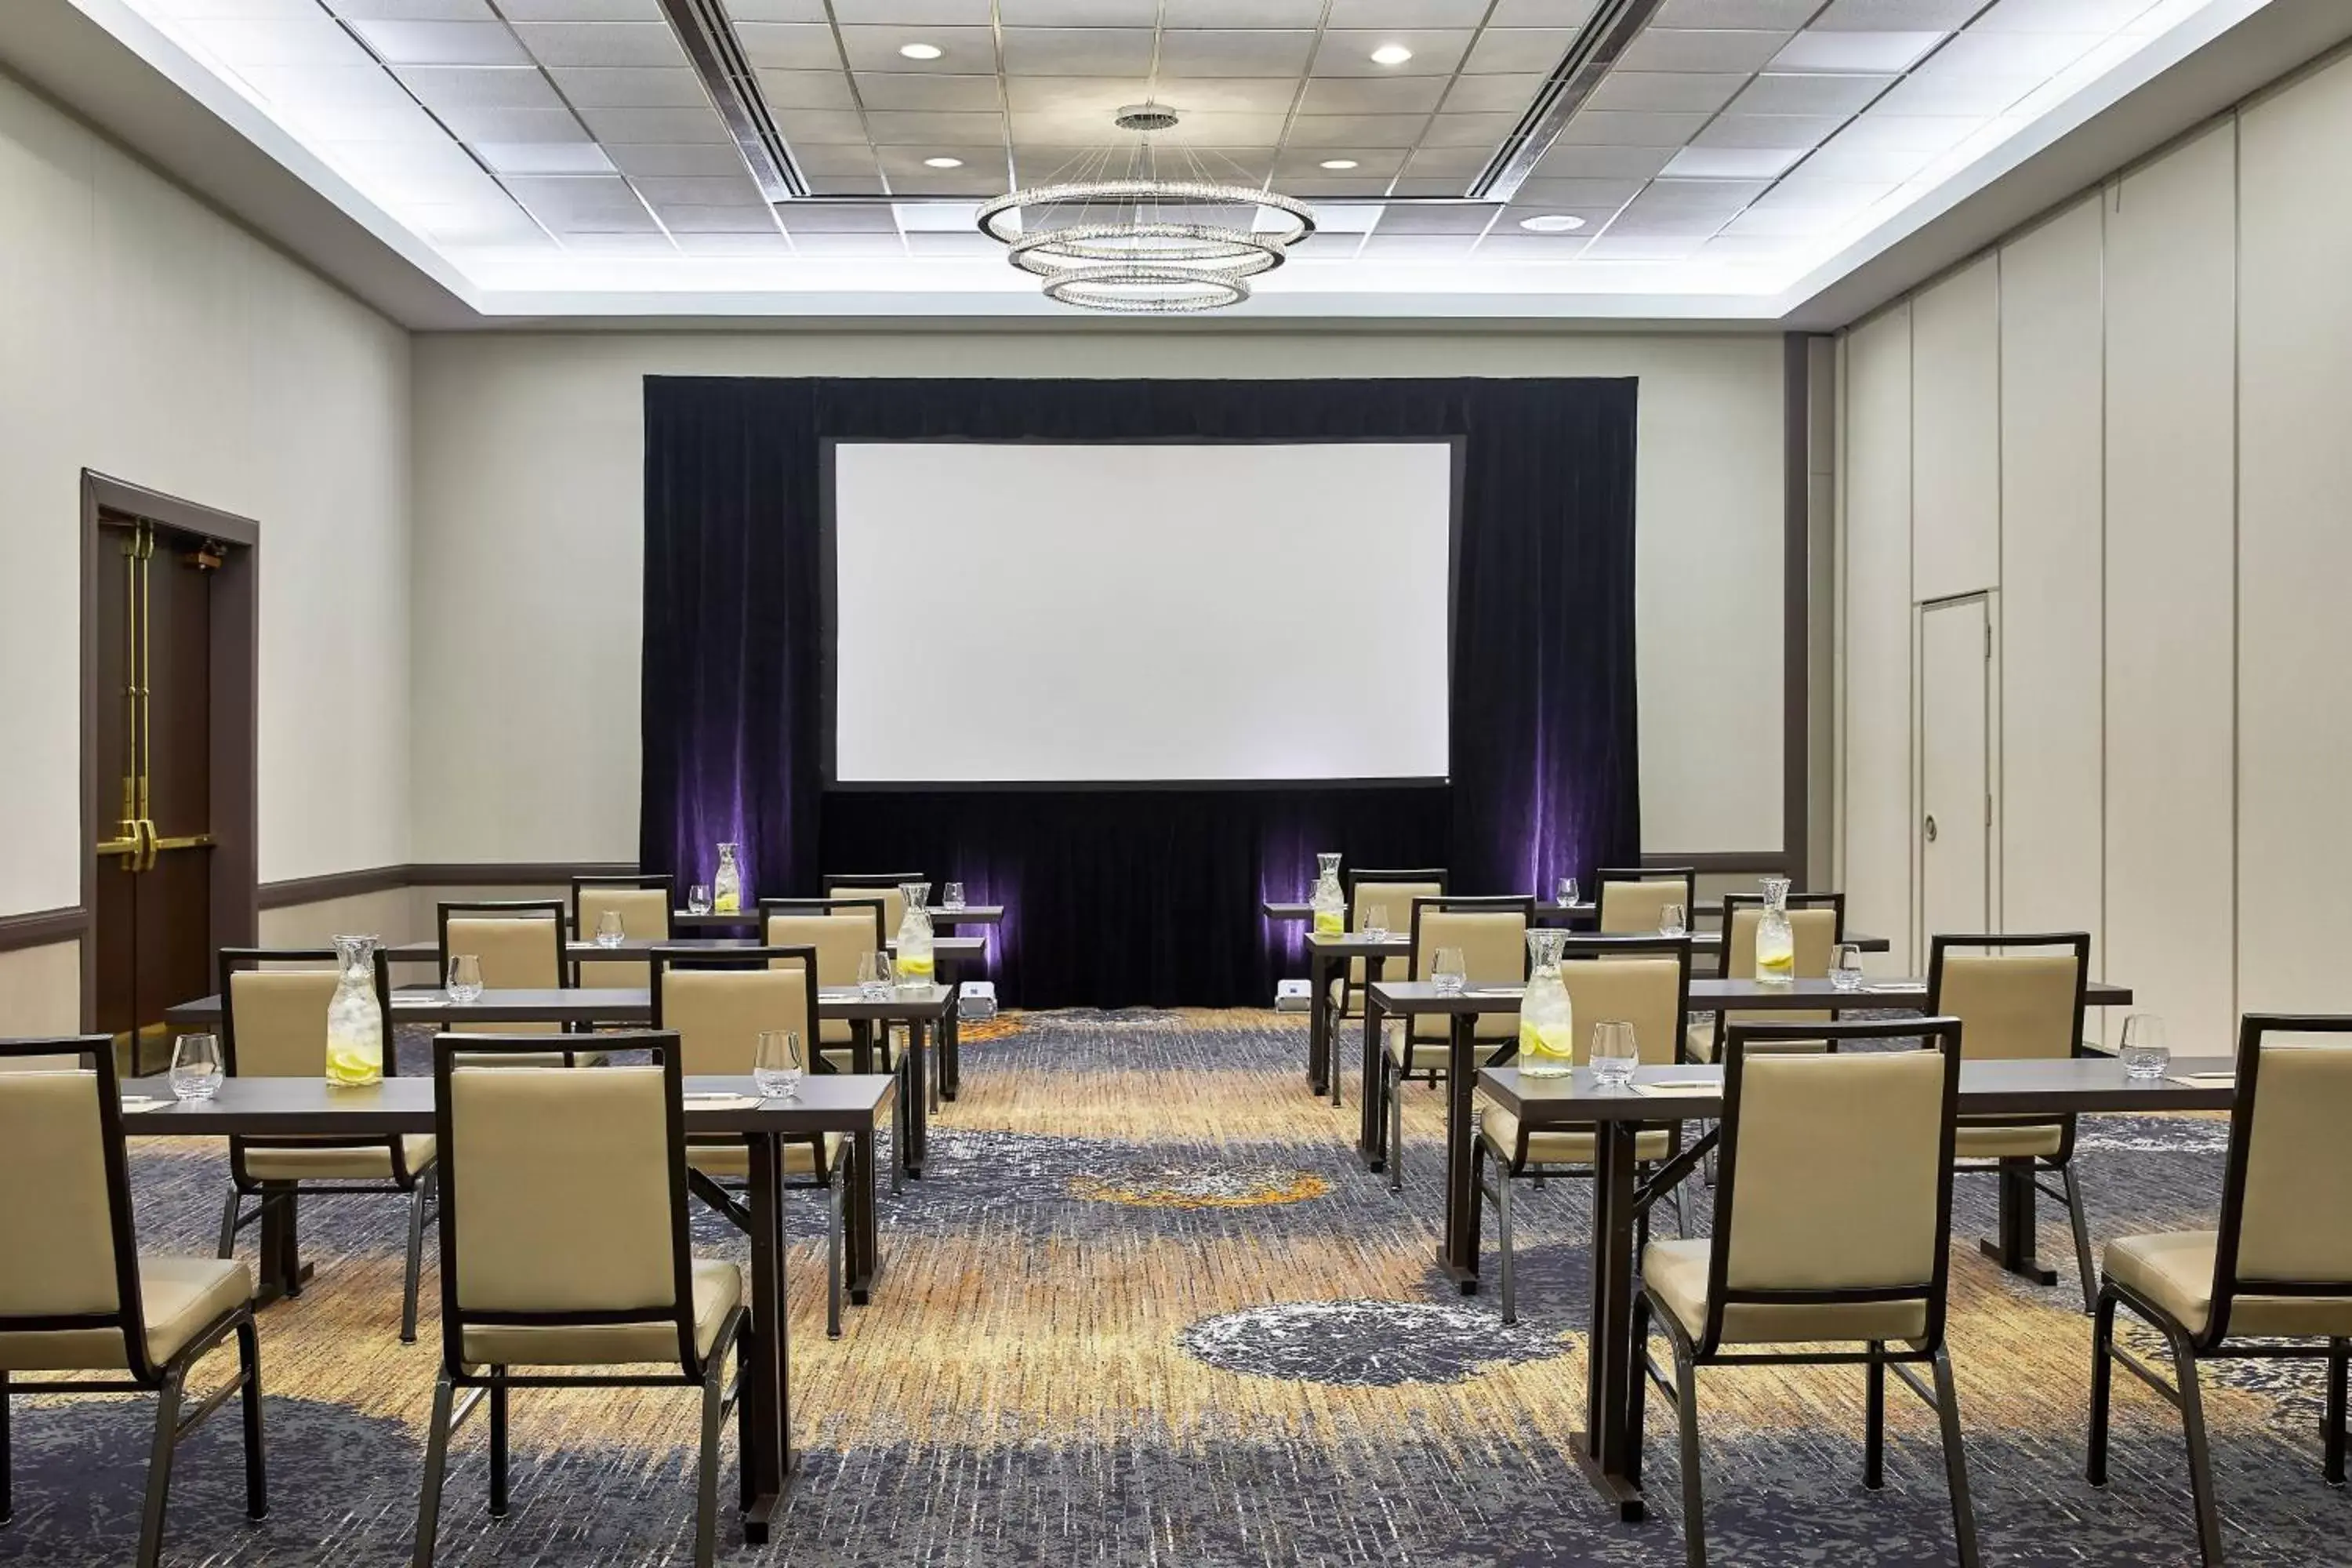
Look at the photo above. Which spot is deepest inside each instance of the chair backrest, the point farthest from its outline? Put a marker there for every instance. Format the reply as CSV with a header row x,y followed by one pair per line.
x,y
274,1010
1834,1176
519,941
1644,980
718,1008
1816,923
1492,933
68,1247
645,905
563,1193
840,929
2021,998
1631,897
882,885
2286,1192
1397,889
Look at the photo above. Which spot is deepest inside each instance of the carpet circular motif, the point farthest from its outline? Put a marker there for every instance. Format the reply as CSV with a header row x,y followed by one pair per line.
x,y
1201,1187
1364,1343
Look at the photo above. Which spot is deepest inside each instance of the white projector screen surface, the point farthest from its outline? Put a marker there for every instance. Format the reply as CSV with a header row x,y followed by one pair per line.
x,y
1103,614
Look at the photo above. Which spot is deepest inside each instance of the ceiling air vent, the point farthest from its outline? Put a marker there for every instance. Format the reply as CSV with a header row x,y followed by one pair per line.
x,y
1614,25
718,58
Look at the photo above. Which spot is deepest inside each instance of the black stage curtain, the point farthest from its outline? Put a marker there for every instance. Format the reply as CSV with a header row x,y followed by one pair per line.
x,y
1142,897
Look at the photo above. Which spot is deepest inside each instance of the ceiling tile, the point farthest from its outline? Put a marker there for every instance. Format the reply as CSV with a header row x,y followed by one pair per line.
x,y
2041,54
975,179
1721,197
1601,163
630,87
1377,95
667,125
821,125
1349,51
914,13
792,46
1597,128
1541,12
1459,164
861,185
1318,186
1579,194
808,90
759,10
1516,246
1224,95
2060,16
290,41
655,161
1438,217
1427,185
838,159
1758,14
1479,131
837,217
602,43
901,127
642,243
1711,50
1613,247
918,91
1504,50
1669,90
936,217
1732,162
1306,163
1768,130
1382,247
870,246
1079,12
1357,129
1242,13
1928,90
602,203
513,125
1078,51
1407,13
701,191
1898,14
547,157
349,10
479,87
1232,52
972,244
1777,93
582,10
1511,92
688,218
1593,217
1821,49
439,44
768,245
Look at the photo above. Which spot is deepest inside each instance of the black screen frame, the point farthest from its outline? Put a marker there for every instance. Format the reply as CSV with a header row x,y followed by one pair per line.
x,y
829,623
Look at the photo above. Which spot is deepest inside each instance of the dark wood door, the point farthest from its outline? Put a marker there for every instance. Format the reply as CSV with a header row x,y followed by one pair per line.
x,y
153,754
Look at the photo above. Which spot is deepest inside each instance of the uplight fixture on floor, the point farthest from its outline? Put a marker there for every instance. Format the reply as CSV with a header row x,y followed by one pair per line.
x,y
1114,231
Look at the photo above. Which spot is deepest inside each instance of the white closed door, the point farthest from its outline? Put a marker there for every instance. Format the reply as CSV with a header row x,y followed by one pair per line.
x,y
1955,767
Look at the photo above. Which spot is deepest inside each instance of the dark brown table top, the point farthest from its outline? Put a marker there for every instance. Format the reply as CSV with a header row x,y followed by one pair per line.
x,y
827,1103
601,1004
2052,1088
634,948
969,915
1356,944
1708,994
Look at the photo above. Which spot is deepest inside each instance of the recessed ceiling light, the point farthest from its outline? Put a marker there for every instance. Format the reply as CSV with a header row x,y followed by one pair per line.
x,y
1338,163
1391,55
919,51
1551,223
942,163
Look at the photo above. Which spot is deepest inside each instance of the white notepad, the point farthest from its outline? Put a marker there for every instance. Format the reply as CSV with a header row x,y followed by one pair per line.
x,y
720,1102
2206,1079
142,1102
1687,1086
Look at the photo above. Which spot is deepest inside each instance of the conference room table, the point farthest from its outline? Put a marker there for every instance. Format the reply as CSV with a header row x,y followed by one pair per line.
x,y
948,955
1608,1450
1326,952
844,1103
918,1010
2013,1248
950,919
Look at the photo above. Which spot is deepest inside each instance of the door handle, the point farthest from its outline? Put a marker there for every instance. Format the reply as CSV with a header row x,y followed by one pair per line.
x,y
1931,830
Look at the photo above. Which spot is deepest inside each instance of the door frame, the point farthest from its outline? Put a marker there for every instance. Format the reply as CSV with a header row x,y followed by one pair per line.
x,y
1993,775
236,700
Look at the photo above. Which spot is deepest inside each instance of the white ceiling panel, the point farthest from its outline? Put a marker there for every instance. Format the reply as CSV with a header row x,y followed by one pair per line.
x,y
1518,50
474,126
1710,49
667,125
1511,91
654,159
1232,52
602,43
795,46
1078,51
1604,128
351,10
914,13
1764,16
1349,51
1769,130
481,87
884,91
1380,94
1439,217
1825,49
630,87
1517,247
814,88
1573,163
684,217
547,157
1733,163
1898,15
578,10
1787,93
442,43
903,128
1079,12
1668,90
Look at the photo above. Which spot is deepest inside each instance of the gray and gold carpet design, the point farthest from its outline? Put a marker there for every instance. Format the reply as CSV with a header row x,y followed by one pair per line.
x,y
1148,1310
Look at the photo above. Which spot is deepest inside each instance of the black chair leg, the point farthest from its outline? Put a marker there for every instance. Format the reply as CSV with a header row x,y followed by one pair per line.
x,y
1955,1459
743,1417
228,1223
256,1469
7,1478
436,1465
497,1446
2083,1266
1694,1494
1873,1418
2334,1437
1638,1404
159,1468
2103,1378
415,1259
2201,1453
706,1494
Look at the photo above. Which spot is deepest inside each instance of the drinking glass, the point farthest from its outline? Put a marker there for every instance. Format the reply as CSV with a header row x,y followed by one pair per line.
x,y
1614,1053
195,1066
1447,971
609,930
1567,891
951,896
1375,924
875,981
1671,921
464,978
1845,968
698,899
776,1063
2146,1055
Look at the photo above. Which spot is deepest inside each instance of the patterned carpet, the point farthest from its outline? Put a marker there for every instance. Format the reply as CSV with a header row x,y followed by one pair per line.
x,y
1148,1310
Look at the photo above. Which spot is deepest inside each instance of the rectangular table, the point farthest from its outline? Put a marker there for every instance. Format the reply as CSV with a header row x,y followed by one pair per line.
x,y
843,1103
1458,1254
579,1005
1608,1448
969,915
948,955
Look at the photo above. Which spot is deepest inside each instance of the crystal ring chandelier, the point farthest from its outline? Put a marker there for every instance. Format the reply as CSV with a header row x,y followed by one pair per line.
x,y
1136,242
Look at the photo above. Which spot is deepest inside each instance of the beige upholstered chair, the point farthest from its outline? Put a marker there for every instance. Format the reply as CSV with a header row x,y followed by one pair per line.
x,y
882,885
75,1294
273,1025
645,905
1641,980
1630,897
2021,997
1833,1211
1395,892
2279,1266
718,1009
1492,933
564,1245
520,942
1816,923
841,931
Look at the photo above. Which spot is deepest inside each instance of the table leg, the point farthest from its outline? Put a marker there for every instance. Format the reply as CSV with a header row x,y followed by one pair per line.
x,y
864,1239
767,1454
950,1073
1372,1136
283,1272
1606,1447
1319,1026
917,1117
861,1045
1459,1255
2013,1250
1372,967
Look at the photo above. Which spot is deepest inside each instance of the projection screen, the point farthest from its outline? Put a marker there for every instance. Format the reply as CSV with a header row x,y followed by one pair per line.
x,y
1138,614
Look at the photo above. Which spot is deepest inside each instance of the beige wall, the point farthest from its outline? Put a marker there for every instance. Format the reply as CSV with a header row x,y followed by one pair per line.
x,y
144,336
2167,489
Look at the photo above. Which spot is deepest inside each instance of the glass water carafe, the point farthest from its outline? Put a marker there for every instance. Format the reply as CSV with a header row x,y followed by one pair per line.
x,y
1776,945
354,1018
1327,903
912,962
727,883
1546,1016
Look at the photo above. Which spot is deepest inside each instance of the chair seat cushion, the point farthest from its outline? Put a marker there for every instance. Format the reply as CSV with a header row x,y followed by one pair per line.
x,y
1676,1272
1983,1143
1435,1056
2174,1270
338,1162
733,1159
181,1298
717,1289
1558,1146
